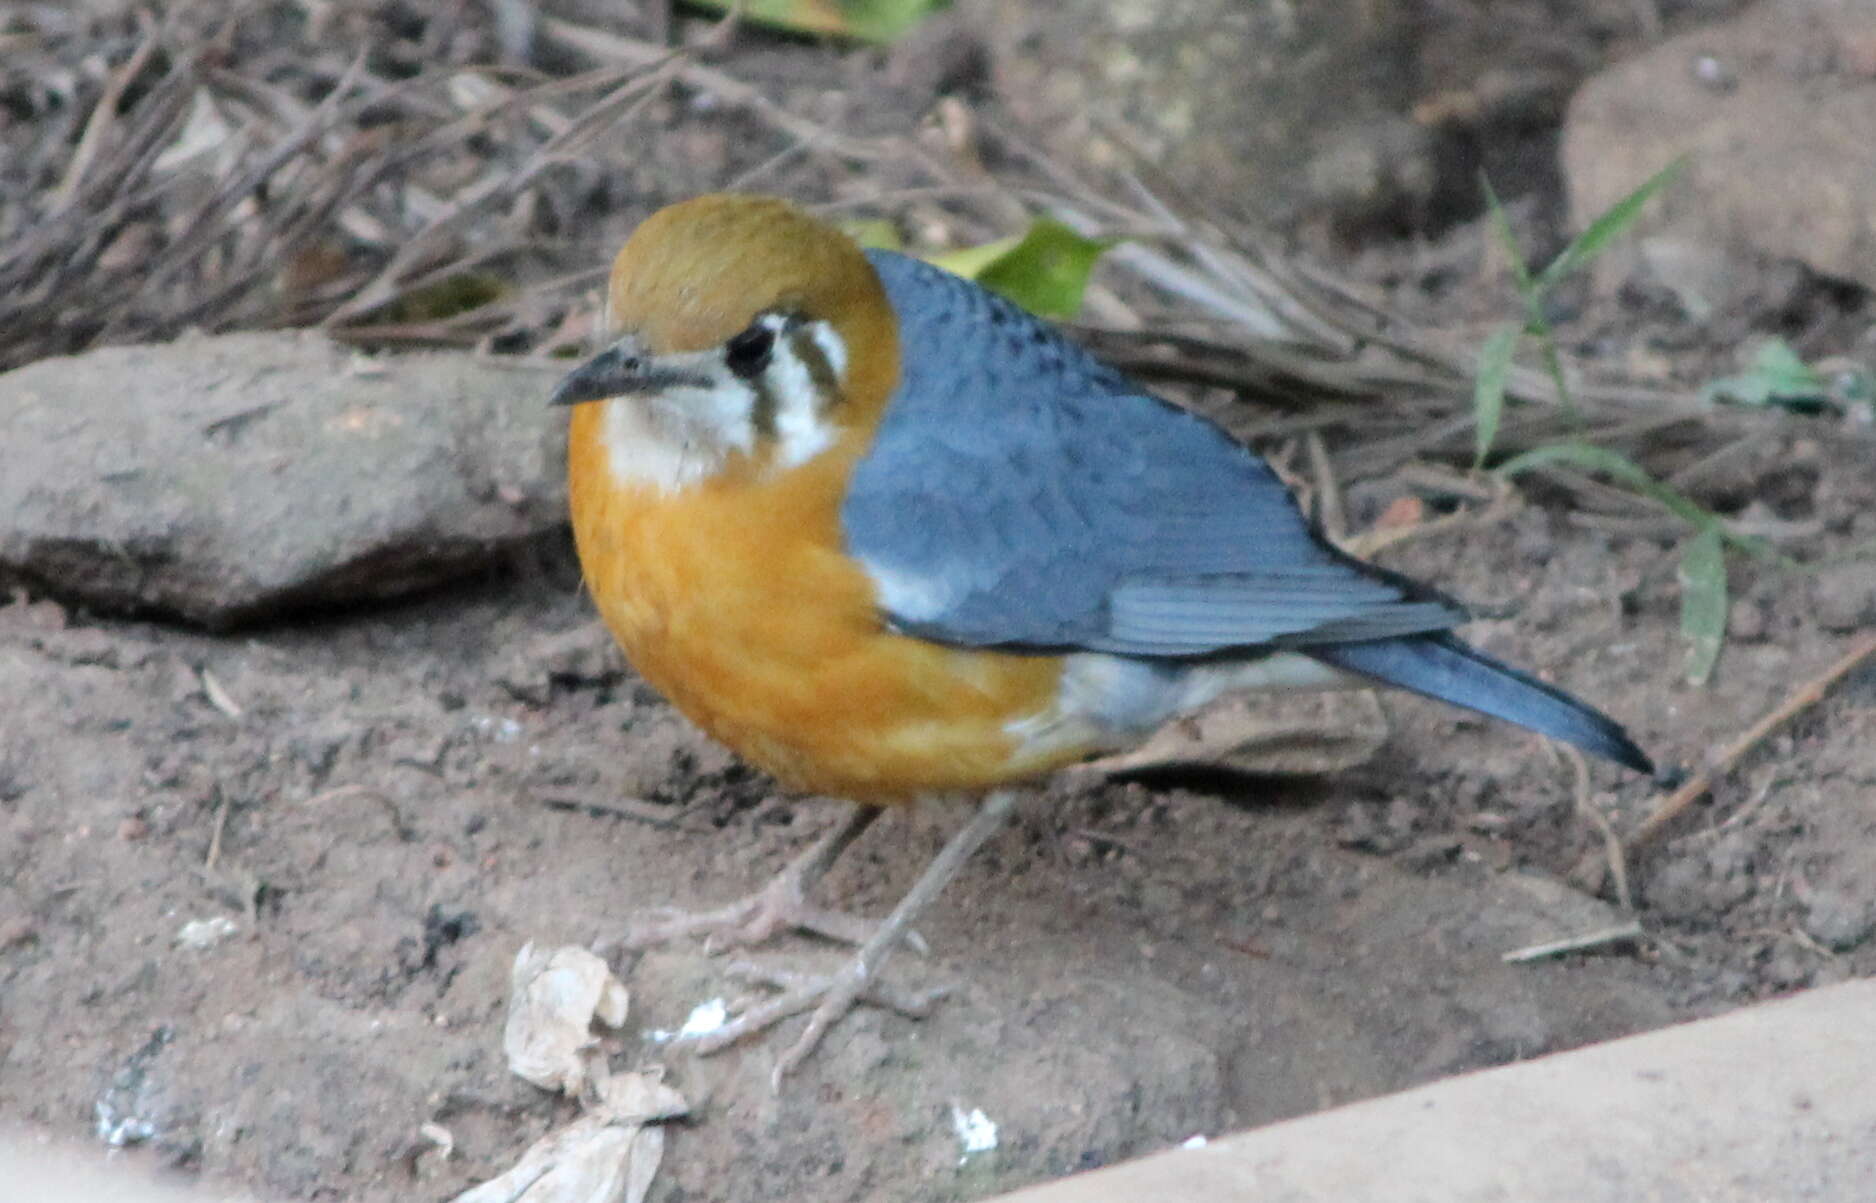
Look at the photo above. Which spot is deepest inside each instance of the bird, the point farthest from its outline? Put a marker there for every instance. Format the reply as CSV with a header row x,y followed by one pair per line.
x,y
887,536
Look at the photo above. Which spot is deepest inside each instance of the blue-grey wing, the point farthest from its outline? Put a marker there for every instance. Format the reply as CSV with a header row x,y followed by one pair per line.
x,y
1026,495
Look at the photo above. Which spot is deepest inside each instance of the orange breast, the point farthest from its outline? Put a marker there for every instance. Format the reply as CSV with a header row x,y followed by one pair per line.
x,y
734,600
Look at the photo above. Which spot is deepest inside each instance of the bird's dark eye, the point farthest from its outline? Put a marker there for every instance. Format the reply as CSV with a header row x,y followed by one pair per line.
x,y
748,352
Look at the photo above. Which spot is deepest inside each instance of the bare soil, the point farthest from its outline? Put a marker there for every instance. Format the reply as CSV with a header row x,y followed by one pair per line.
x,y
407,796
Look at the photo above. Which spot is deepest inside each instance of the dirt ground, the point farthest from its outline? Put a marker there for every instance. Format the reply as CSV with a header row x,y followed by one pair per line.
x,y
259,893
407,796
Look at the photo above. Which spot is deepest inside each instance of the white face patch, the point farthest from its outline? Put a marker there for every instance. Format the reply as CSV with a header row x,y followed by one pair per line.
x,y
684,432
803,380
641,450
799,391
831,346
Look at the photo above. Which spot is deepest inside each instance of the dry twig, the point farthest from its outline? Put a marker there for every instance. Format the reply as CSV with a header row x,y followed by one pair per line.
x,y
204,172
1591,875
213,856
1615,857
1807,695
1623,933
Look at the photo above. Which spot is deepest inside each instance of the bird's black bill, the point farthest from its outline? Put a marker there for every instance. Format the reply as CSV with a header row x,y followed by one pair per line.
x,y
621,371
614,372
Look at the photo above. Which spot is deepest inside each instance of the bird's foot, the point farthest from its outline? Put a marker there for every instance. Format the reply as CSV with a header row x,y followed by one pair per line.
x,y
831,995
780,906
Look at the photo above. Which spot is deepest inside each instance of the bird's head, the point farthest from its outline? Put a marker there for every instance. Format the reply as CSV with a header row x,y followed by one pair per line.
x,y
744,332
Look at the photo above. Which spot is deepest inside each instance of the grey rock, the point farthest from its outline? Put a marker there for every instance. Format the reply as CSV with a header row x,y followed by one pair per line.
x,y
1839,920
1747,622
1226,97
1682,889
1845,596
223,480
1773,118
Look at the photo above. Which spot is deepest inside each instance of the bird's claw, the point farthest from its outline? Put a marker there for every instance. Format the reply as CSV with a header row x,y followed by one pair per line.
x,y
737,923
830,995
780,906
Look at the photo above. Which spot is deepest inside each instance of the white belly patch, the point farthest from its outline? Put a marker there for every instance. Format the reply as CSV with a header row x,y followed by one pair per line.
x,y
1114,701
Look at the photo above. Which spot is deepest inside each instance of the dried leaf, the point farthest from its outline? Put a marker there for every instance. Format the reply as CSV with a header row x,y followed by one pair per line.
x,y
610,1154
591,1160
1239,737
1402,513
555,998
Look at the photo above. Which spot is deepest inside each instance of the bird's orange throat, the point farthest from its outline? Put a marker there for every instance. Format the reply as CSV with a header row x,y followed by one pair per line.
x,y
734,597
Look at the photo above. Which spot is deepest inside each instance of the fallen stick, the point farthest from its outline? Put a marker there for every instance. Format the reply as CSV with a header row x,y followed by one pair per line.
x,y
1624,933
1591,873
1801,699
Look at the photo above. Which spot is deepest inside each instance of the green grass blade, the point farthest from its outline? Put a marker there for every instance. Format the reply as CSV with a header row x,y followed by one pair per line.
x,y
1703,601
878,21
1501,230
1613,464
1488,391
1612,224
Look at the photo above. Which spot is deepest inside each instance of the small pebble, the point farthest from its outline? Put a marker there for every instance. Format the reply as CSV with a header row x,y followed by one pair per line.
x,y
1747,620
1845,597
1838,921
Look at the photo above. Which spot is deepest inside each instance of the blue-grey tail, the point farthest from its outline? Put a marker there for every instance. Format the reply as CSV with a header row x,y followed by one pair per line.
x,y
1441,666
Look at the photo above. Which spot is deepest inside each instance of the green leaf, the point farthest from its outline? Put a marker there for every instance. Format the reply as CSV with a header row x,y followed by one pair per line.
x,y
874,233
1777,377
877,21
1777,361
1703,601
1045,271
970,261
1488,391
1605,229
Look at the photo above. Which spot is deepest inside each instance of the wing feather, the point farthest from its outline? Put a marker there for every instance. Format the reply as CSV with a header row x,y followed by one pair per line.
x,y
1032,497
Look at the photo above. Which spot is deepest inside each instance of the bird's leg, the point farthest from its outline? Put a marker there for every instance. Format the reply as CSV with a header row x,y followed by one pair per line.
x,y
833,995
780,905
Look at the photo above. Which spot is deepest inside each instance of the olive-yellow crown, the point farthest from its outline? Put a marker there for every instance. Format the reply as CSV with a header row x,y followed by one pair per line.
x,y
697,273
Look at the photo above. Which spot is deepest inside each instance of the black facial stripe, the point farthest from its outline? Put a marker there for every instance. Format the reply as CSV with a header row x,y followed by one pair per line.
x,y
762,413
826,381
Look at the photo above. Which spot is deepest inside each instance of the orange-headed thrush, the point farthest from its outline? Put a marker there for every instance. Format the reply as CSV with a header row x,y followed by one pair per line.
x,y
885,534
